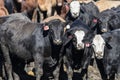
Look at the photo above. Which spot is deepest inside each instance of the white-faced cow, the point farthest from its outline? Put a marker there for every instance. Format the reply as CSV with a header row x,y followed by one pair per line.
x,y
77,48
106,47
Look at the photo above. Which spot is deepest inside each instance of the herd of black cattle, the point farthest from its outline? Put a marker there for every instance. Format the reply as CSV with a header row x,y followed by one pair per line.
x,y
52,45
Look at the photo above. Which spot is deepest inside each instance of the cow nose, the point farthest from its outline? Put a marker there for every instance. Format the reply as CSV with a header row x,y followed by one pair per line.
x,y
79,46
104,30
75,13
57,41
99,54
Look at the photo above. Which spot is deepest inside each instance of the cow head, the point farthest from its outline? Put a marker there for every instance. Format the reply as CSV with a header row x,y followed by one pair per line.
x,y
98,46
75,9
77,40
76,35
103,24
103,18
55,30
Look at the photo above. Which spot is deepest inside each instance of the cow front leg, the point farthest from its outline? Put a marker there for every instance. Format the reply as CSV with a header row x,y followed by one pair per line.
x,y
49,10
16,77
8,64
117,76
56,72
68,68
38,66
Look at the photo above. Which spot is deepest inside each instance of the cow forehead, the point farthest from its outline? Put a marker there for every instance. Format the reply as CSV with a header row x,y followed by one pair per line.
x,y
98,39
75,4
79,34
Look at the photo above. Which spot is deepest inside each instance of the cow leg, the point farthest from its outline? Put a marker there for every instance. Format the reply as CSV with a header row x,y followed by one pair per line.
x,y
56,72
16,77
68,68
84,74
3,72
38,65
8,64
49,10
111,77
117,76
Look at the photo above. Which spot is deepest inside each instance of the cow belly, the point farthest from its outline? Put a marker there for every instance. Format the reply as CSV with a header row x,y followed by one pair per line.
x,y
20,51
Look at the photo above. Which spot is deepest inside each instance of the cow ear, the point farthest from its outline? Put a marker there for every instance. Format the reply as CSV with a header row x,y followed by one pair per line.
x,y
108,39
108,45
45,29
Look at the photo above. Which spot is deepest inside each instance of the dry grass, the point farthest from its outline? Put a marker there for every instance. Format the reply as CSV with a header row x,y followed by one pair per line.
x,y
103,5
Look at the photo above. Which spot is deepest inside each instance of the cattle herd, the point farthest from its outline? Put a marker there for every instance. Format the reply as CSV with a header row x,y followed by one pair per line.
x,y
58,40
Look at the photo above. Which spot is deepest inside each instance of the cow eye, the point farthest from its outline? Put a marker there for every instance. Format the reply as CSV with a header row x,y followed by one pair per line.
x,y
74,39
93,45
103,43
51,31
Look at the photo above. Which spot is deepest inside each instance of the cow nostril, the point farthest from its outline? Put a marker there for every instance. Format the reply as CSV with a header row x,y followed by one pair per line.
x,y
75,13
99,53
79,45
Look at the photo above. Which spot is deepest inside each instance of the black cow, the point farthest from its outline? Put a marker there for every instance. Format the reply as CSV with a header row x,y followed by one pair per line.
x,y
111,59
31,41
21,37
54,41
77,50
109,20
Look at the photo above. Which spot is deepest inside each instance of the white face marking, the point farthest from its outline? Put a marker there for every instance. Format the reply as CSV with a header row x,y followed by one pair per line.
x,y
75,8
98,46
79,37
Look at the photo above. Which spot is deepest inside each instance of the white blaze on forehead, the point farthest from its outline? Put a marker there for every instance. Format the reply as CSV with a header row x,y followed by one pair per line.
x,y
98,46
79,37
75,8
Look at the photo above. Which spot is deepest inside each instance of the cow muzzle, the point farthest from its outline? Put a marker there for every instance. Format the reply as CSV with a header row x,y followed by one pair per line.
x,y
80,46
99,55
57,41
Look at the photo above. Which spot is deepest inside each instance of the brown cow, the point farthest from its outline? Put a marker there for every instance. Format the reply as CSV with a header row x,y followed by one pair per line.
x,y
44,6
103,4
28,5
3,10
48,6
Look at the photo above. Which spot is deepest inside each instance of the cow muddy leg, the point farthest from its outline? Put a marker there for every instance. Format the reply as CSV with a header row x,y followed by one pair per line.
x,y
117,76
8,64
67,68
56,72
38,65
16,77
